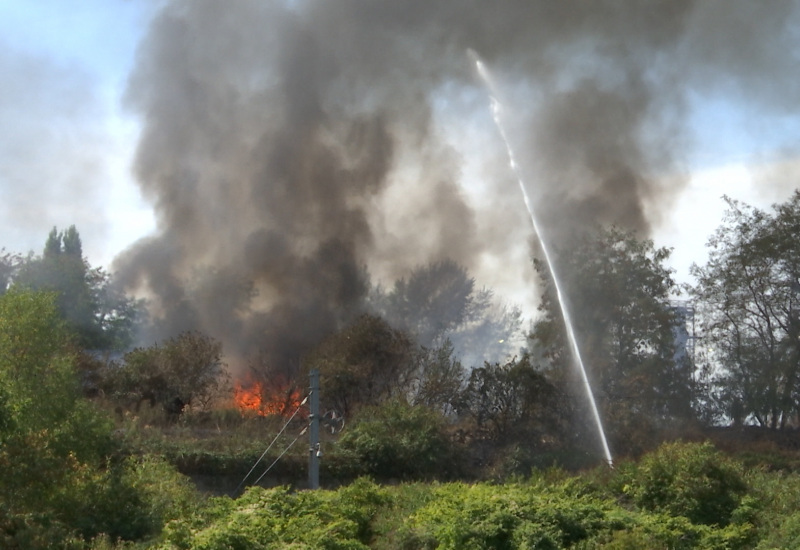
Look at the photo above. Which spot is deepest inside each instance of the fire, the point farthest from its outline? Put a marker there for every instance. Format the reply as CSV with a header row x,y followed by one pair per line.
x,y
268,399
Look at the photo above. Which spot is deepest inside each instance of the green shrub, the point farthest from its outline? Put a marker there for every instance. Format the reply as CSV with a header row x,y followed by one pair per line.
x,y
551,511
687,479
505,516
654,531
277,519
400,441
360,502
164,494
776,499
785,533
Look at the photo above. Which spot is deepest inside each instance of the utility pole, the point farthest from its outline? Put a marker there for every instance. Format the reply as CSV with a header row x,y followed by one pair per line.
x,y
314,451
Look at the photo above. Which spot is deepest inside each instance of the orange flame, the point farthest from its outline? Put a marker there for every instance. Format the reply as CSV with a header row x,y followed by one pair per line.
x,y
267,400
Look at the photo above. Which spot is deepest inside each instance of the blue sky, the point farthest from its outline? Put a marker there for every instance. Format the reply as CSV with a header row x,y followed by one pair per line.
x,y
100,36
69,141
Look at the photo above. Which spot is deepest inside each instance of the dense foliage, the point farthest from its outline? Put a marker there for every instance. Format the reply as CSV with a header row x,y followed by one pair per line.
x,y
63,477
514,400
683,496
184,371
696,482
400,441
618,292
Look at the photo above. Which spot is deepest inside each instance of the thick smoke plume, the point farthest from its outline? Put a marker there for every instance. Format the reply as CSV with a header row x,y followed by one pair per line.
x,y
293,148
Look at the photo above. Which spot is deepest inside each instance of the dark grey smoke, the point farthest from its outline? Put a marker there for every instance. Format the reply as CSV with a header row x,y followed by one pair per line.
x,y
289,147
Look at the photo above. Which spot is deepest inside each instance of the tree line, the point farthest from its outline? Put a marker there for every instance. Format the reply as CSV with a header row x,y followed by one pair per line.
x,y
661,357
425,339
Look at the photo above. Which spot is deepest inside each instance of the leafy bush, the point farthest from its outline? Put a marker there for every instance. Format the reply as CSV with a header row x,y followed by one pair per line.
x,y
653,531
784,534
400,441
164,494
185,370
62,477
550,511
776,499
506,516
687,479
360,502
278,518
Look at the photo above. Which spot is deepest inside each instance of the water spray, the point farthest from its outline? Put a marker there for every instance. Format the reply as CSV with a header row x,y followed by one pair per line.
x,y
488,82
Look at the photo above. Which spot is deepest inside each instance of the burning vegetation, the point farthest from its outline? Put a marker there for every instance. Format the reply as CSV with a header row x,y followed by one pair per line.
x,y
315,208
255,398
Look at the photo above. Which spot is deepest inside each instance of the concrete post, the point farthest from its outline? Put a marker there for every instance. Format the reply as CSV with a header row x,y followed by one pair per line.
x,y
314,452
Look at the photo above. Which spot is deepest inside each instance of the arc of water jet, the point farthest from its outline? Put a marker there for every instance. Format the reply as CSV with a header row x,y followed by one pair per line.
x,y
485,76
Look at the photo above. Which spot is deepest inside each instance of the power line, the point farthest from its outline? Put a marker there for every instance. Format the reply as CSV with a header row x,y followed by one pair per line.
x,y
281,455
270,446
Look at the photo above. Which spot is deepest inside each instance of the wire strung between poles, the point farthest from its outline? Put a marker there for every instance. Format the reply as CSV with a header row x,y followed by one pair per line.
x,y
281,455
270,445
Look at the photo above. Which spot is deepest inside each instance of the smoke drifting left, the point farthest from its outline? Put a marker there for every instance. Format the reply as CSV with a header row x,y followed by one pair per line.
x,y
291,148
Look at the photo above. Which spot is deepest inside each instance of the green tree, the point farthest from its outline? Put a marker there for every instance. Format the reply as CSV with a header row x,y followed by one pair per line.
x,y
185,370
100,315
63,270
364,364
748,300
116,316
36,369
59,477
52,441
9,267
617,290
513,400
439,378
